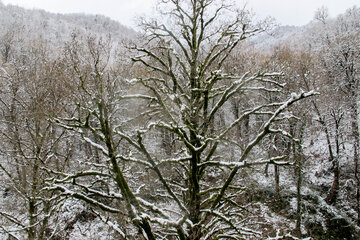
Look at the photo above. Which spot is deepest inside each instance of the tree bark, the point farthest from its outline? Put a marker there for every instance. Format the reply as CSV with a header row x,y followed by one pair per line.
x,y
355,132
277,182
333,193
298,193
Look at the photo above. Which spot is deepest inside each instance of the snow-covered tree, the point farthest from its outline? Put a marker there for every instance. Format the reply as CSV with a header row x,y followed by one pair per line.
x,y
340,56
180,83
32,147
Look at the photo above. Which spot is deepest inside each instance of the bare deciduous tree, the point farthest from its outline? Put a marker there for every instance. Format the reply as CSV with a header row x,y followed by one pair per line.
x,y
191,194
32,146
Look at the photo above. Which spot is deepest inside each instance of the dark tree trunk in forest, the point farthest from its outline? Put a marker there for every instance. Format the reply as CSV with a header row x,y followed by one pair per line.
x,y
298,170
277,182
355,132
333,193
299,160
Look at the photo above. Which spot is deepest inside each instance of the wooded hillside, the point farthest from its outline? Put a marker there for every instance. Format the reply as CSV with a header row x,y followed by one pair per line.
x,y
204,125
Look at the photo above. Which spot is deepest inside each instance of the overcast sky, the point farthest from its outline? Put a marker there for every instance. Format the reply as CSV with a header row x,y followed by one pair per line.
x,y
286,12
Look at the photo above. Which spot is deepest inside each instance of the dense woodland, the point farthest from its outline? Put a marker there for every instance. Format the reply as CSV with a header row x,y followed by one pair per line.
x,y
205,124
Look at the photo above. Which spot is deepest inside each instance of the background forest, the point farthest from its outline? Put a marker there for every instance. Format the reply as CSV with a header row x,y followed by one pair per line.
x,y
206,124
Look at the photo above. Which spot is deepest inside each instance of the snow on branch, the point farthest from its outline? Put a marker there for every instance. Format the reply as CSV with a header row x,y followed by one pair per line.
x,y
180,161
265,79
247,113
137,96
243,164
265,130
67,192
228,92
215,189
11,218
286,236
96,145
92,191
9,232
153,208
135,160
294,98
284,133
114,226
152,161
229,221
272,90
158,220
69,177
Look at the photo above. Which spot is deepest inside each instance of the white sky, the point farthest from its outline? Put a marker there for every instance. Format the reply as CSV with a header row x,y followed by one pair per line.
x,y
286,12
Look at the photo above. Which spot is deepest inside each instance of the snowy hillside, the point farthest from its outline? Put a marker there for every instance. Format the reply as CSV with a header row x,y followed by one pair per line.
x,y
56,28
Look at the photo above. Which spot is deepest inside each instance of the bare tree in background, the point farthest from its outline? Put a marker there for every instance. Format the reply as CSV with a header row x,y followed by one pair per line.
x,y
340,56
32,147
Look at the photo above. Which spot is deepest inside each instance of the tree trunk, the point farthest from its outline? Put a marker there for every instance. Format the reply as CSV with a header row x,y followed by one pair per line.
x,y
355,132
299,159
298,192
32,220
32,232
277,182
194,203
333,193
